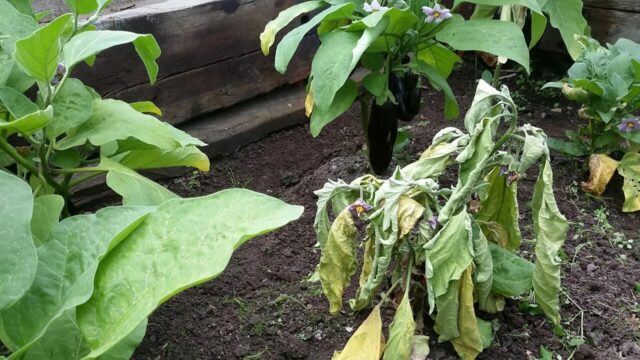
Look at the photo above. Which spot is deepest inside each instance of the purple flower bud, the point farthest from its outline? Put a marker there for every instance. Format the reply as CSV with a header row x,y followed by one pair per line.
x,y
360,207
436,14
629,125
433,222
504,170
59,74
374,6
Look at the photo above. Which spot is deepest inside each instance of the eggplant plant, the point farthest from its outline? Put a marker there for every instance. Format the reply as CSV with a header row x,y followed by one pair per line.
x,y
395,42
447,252
606,82
82,287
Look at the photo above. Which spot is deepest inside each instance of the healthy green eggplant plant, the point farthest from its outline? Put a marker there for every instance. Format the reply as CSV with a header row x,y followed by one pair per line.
x,y
394,41
445,251
606,82
83,287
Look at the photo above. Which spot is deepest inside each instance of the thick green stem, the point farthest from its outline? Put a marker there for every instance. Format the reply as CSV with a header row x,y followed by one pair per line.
x,y
11,151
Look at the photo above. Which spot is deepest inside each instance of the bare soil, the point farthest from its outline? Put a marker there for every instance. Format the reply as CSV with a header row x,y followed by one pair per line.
x,y
261,307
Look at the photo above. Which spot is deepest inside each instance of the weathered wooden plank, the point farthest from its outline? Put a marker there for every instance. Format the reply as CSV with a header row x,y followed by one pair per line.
x,y
609,25
622,5
189,94
210,55
229,129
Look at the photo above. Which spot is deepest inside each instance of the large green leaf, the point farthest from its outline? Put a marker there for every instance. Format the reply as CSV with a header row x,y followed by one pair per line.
x,y
18,256
135,189
38,55
484,269
154,158
511,273
29,123
342,102
550,228
90,43
330,66
116,120
288,45
46,214
499,209
401,332
336,58
126,347
15,25
268,36
566,16
72,106
67,263
493,36
82,6
531,4
451,108
440,58
191,240
16,103
338,261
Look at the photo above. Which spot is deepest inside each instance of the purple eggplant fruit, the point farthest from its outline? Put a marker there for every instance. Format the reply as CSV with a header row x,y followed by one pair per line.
x,y
381,135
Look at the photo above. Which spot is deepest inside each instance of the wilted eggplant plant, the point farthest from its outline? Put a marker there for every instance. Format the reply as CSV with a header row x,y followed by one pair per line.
x,y
444,250
83,287
395,41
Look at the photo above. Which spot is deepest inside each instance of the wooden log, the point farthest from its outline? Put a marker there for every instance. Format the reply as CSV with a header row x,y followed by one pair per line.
x,y
622,5
210,60
609,25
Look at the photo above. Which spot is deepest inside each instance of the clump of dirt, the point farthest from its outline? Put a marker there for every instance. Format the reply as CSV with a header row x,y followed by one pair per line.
x,y
261,307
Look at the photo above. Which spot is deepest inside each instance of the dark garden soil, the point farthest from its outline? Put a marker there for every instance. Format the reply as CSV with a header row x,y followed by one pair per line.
x,y
260,307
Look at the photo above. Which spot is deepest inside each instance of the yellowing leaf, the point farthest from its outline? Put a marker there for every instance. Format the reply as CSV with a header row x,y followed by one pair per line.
x,y
401,332
630,170
469,344
367,343
308,103
268,36
409,211
338,262
602,168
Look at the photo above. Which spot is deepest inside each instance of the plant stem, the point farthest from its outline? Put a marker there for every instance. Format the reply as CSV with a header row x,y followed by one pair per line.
x,y
496,75
79,170
82,179
11,151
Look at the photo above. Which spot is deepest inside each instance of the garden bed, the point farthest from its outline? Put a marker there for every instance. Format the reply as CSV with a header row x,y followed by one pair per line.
x,y
261,307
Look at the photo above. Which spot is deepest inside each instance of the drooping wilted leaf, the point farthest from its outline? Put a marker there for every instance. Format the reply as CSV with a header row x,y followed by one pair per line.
x,y
550,229
499,205
469,344
367,343
338,262
601,168
511,273
401,332
630,170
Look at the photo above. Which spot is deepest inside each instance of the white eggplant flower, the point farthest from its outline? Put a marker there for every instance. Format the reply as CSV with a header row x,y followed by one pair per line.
x,y
374,6
436,14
